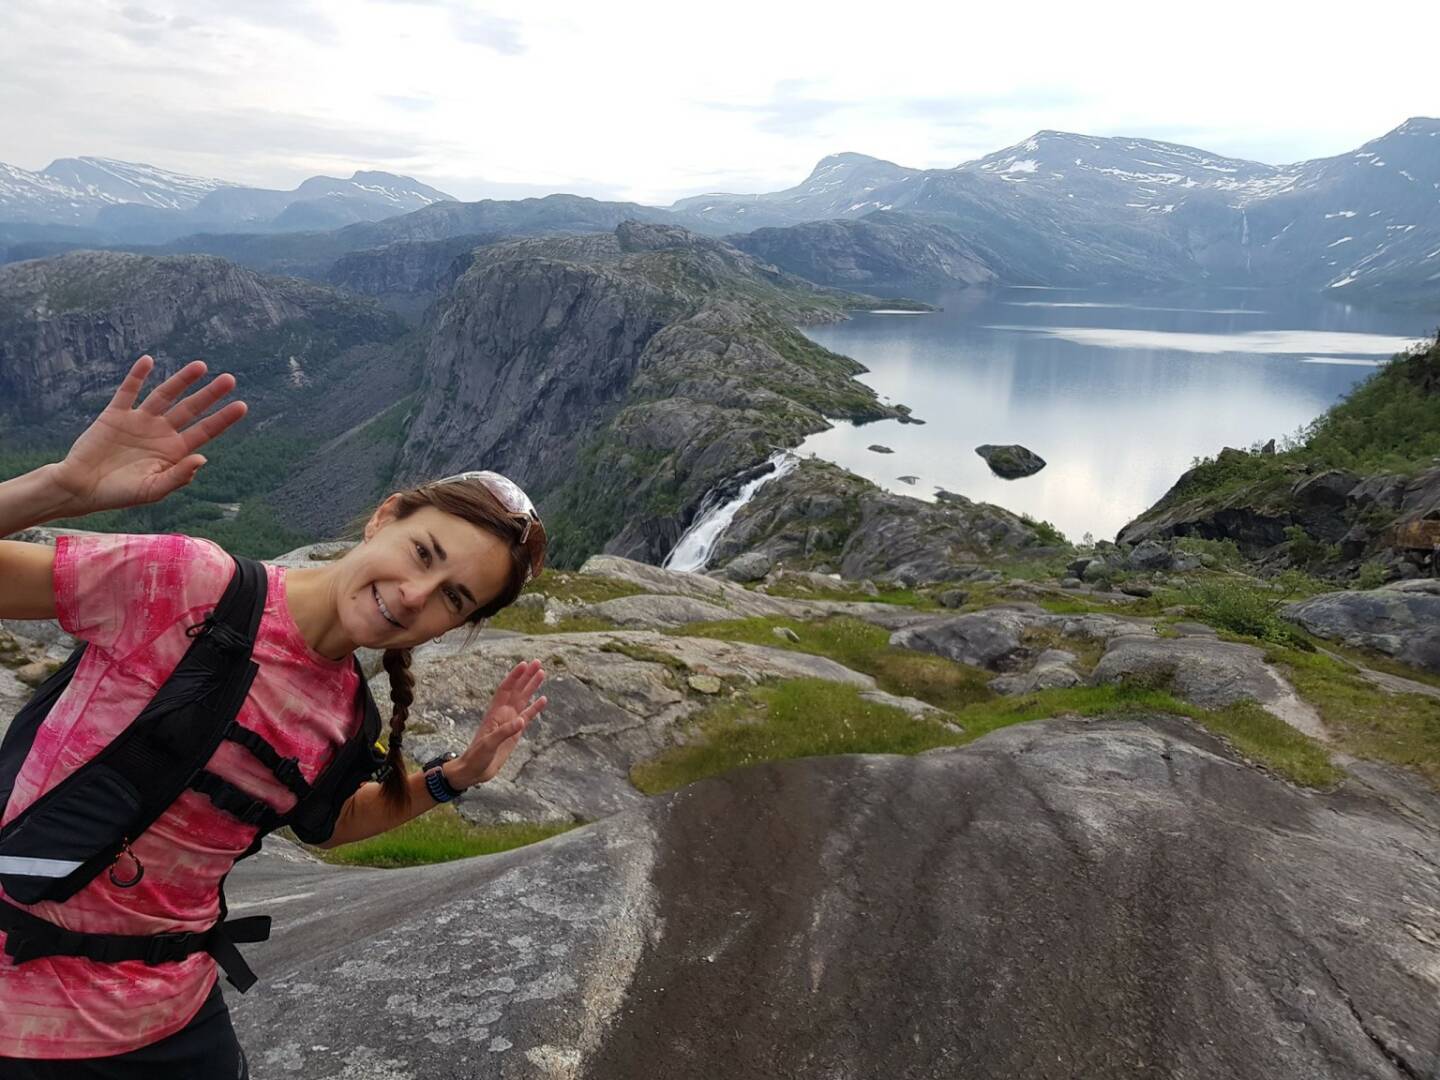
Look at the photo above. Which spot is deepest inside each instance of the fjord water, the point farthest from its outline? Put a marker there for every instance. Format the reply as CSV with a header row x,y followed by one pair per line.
x,y
1117,393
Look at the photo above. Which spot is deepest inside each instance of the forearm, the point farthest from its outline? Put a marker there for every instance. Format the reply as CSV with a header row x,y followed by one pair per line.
x,y
367,814
33,499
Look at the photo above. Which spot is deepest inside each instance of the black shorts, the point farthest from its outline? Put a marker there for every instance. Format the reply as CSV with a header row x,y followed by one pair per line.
x,y
204,1049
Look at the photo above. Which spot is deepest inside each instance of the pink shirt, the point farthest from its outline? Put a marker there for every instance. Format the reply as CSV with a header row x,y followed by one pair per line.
x,y
131,598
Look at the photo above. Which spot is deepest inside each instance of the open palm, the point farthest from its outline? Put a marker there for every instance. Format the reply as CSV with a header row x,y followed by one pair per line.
x,y
131,456
505,720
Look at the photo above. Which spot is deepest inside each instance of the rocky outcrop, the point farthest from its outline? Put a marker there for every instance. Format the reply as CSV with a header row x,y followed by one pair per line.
x,y
410,273
1401,620
1232,926
1011,462
71,326
819,515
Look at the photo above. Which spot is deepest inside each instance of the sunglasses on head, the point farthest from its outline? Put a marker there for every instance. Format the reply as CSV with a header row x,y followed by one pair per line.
x,y
509,495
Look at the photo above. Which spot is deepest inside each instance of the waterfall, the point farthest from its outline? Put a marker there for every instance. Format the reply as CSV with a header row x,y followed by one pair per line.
x,y
694,548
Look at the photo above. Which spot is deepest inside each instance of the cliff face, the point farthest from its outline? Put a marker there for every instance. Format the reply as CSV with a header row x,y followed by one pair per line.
x,y
882,250
619,377
71,326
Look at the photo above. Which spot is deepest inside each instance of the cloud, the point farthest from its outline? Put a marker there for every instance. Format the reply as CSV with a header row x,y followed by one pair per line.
x,y
491,31
142,15
409,104
788,112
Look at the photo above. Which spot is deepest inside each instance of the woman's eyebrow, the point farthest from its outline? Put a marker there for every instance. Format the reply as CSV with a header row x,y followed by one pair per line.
x,y
440,551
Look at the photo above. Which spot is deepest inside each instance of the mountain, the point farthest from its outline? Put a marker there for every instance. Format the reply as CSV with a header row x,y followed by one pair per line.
x,y
72,191
841,185
1067,209
133,203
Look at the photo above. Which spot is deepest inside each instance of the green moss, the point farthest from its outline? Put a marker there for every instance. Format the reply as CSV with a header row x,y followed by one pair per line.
x,y
1403,729
439,835
645,654
811,717
862,647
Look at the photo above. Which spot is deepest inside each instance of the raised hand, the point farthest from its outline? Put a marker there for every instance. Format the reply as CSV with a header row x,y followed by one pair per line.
x,y
510,711
131,456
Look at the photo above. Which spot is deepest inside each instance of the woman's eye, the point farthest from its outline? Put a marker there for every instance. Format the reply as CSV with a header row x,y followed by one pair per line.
x,y
454,597
424,553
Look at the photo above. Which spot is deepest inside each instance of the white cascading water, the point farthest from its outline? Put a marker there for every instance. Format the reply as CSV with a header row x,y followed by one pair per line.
x,y
693,550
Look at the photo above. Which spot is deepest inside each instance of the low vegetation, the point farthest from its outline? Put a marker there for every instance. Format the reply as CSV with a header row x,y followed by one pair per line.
x,y
810,717
439,835
1403,729
863,647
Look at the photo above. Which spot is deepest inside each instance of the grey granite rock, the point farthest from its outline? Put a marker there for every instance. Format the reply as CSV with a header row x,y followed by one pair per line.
x,y
1117,897
1400,619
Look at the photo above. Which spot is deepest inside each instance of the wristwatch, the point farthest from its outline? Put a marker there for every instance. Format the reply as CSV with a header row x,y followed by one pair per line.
x,y
435,781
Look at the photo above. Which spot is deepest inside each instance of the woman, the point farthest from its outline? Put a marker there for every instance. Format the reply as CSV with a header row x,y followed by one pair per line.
x,y
432,558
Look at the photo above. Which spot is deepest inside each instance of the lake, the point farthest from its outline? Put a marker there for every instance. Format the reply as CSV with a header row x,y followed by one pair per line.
x,y
1117,393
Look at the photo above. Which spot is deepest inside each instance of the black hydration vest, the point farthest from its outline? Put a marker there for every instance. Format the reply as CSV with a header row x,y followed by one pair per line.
x,y
85,824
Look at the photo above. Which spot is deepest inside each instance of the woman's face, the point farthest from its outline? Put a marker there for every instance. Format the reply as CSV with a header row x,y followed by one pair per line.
x,y
416,577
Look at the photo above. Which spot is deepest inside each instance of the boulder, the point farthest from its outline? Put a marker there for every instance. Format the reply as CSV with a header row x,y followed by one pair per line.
x,y
1401,619
953,598
1150,555
1052,671
1118,898
988,639
751,566
1205,672
658,612
878,449
1012,461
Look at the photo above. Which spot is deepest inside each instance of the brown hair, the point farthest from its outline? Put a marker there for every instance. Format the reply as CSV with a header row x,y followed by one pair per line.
x,y
471,501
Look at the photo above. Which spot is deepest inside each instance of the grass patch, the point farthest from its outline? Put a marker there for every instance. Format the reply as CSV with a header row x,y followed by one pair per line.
x,y
862,647
438,835
1403,729
797,589
810,717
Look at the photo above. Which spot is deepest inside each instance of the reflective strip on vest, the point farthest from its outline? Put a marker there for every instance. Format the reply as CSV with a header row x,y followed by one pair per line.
x,y
14,864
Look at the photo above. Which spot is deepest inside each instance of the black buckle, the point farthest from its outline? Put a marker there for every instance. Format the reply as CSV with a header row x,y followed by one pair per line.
x,y
287,771
158,946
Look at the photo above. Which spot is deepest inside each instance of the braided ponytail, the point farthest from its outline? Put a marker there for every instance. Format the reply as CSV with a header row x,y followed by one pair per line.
x,y
402,686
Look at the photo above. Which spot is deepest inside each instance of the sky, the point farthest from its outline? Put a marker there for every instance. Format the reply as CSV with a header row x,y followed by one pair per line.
x,y
655,101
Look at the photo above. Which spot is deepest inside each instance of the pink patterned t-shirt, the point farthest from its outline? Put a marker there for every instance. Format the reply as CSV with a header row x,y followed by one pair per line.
x,y
131,598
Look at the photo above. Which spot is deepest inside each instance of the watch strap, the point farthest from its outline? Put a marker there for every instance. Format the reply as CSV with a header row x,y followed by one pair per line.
x,y
439,787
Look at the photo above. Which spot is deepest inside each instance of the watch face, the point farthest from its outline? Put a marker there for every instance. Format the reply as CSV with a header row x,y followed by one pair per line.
x,y
449,755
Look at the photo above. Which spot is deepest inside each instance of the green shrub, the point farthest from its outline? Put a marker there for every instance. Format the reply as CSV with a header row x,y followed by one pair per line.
x,y
1243,608
1371,576
1305,550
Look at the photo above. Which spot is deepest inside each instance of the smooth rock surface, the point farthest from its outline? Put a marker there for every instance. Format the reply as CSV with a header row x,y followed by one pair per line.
x,y
1095,899
1403,621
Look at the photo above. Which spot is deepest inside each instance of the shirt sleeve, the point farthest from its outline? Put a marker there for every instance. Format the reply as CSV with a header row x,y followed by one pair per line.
x,y
119,590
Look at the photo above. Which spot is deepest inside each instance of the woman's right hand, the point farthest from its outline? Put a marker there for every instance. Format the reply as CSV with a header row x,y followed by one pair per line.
x,y
131,456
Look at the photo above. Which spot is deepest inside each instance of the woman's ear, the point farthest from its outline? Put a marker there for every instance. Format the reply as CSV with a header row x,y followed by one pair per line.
x,y
383,515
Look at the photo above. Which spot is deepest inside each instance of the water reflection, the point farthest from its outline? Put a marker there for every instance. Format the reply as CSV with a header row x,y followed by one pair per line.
x,y
1118,395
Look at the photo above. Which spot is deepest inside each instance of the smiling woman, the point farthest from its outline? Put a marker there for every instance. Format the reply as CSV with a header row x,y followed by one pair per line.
x,y
123,807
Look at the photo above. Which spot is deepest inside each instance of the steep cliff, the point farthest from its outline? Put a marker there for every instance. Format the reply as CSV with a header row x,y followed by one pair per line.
x,y
620,376
70,327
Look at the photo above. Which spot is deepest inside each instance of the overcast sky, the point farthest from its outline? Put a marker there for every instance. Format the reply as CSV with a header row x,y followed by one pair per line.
x,y
654,101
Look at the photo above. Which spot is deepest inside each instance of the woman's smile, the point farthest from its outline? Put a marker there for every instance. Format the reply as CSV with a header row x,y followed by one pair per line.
x,y
384,611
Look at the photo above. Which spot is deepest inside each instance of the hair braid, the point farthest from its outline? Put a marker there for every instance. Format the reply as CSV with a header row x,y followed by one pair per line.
x,y
402,687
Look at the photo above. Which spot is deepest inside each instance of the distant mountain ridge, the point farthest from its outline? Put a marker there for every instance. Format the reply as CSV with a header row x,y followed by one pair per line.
x,y
129,198
1062,208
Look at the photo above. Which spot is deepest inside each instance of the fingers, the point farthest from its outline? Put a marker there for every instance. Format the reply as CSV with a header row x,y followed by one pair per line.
x,y
197,403
177,476
201,432
164,395
534,709
130,386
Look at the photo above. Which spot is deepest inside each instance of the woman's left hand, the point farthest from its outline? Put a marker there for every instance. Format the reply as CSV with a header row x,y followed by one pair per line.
x,y
510,711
